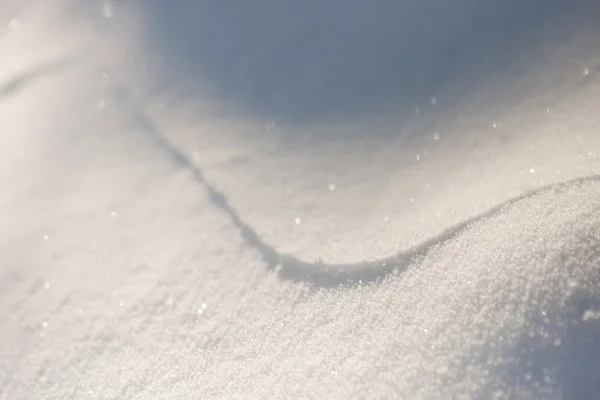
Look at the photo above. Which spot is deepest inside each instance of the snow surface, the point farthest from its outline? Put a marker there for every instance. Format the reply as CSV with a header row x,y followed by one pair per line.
x,y
277,199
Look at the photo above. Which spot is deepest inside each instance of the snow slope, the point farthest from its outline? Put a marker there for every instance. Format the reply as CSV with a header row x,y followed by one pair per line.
x,y
311,200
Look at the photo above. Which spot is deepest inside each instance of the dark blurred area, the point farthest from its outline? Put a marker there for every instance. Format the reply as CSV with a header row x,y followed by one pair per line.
x,y
326,59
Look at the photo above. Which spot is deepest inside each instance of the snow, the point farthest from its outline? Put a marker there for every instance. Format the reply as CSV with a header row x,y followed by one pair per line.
x,y
242,201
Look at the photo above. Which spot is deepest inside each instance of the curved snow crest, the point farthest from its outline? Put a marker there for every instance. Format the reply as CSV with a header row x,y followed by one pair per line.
x,y
320,274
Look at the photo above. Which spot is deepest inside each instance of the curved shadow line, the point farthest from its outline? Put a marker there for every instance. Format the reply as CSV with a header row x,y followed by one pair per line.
x,y
18,82
324,275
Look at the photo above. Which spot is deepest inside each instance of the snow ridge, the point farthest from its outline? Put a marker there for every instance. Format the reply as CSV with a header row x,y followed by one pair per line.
x,y
321,275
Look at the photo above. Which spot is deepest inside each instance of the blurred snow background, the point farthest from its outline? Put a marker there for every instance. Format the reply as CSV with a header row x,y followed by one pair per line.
x,y
339,132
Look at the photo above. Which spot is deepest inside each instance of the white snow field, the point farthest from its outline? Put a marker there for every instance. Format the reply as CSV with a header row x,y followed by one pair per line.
x,y
306,200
